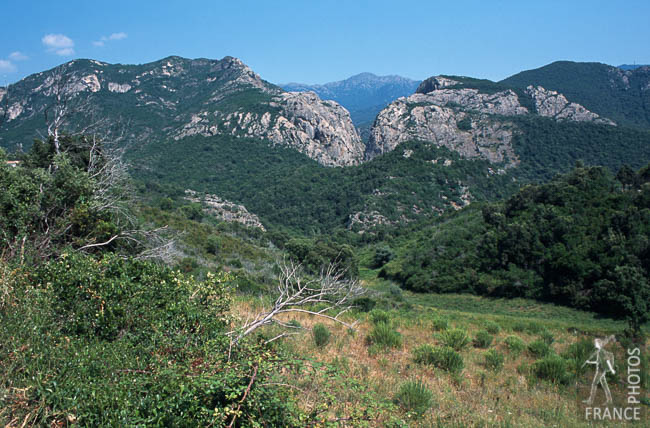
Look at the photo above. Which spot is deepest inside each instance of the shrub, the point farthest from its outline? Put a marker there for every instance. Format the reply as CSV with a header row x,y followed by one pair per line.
x,y
321,335
439,324
483,339
414,396
493,360
515,345
455,338
166,204
423,354
577,353
364,304
534,327
109,297
377,316
547,337
442,357
382,256
552,368
294,324
519,326
383,335
492,327
396,293
122,342
539,349
212,245
465,124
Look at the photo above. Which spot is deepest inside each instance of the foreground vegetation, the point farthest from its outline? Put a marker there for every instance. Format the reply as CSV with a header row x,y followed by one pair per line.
x,y
115,312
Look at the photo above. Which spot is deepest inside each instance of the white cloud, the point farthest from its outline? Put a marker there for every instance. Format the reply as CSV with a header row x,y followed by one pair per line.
x,y
118,36
58,44
7,66
18,56
115,36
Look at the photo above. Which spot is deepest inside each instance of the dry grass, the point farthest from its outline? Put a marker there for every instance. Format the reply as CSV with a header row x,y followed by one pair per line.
x,y
476,397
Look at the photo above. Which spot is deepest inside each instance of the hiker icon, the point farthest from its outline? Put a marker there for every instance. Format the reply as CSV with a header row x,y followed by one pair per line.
x,y
604,362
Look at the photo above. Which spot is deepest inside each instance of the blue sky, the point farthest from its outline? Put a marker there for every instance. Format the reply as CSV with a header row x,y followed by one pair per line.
x,y
317,42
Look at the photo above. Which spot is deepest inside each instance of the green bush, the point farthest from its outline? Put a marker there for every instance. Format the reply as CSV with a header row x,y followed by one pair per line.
x,y
539,349
552,368
414,396
294,324
483,339
382,256
395,293
442,357
455,338
212,245
166,204
577,353
384,336
120,342
377,316
515,345
519,326
321,335
492,327
547,337
364,304
493,360
109,297
440,324
534,328
465,124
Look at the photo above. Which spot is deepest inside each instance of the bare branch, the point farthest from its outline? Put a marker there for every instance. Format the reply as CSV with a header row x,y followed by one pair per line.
x,y
296,293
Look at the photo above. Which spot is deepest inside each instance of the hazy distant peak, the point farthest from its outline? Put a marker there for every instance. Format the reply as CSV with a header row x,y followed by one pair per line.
x,y
363,94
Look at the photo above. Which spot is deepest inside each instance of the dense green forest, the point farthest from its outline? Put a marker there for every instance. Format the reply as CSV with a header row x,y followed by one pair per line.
x,y
288,190
581,240
547,147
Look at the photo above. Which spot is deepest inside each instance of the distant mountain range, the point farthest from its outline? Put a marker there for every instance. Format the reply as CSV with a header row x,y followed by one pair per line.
x,y
628,67
216,126
364,95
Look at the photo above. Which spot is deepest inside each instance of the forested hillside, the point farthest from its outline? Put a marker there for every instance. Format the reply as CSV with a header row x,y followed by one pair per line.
x,y
622,95
580,240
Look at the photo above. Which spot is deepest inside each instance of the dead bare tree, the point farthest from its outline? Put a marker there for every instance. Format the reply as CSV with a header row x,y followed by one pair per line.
x,y
298,293
112,193
58,113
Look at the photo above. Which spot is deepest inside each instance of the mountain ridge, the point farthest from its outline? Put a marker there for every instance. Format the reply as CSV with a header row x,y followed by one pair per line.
x,y
175,97
621,95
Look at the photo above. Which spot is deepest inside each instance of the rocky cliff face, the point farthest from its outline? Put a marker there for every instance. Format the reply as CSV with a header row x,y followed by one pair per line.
x,y
177,97
224,210
450,113
320,129
553,104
